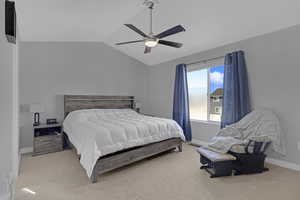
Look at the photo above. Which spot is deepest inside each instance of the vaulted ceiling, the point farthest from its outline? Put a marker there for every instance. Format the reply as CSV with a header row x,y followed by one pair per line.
x,y
208,23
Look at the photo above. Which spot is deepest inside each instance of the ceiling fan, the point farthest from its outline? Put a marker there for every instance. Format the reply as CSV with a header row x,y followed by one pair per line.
x,y
151,40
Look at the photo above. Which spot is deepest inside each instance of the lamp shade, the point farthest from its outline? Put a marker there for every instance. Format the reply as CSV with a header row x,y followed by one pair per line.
x,y
36,108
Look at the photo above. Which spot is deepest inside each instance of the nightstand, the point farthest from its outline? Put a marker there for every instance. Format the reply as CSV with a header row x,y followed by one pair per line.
x,y
47,138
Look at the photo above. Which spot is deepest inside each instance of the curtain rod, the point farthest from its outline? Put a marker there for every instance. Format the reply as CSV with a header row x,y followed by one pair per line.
x,y
206,60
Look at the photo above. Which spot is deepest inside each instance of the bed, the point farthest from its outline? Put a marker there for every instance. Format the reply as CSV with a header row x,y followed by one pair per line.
x,y
107,133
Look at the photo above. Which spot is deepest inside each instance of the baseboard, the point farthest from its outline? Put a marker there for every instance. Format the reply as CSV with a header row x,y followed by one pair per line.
x,y
280,163
26,150
283,163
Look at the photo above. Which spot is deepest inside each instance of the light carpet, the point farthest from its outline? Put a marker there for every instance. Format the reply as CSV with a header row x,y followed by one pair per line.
x,y
170,176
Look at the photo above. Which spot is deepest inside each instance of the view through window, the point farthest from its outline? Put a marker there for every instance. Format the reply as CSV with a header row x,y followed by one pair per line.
x,y
205,85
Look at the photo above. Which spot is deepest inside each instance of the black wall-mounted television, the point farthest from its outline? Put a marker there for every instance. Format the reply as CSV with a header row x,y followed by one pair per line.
x,y
10,21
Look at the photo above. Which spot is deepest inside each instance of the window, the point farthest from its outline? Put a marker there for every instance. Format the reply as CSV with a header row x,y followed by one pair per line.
x,y
205,84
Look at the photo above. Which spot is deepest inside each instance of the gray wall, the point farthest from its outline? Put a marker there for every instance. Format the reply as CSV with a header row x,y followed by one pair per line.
x,y
6,108
273,67
50,70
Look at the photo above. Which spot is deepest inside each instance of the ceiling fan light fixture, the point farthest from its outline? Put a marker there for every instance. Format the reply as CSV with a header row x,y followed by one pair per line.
x,y
151,42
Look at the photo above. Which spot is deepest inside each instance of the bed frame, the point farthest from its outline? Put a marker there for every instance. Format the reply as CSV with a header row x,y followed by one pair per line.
x,y
125,157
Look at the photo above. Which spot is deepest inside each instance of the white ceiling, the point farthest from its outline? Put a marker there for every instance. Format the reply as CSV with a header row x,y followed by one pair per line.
x,y
209,23
72,20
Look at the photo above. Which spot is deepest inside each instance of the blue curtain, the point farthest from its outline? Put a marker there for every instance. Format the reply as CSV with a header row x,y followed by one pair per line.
x,y
181,113
236,100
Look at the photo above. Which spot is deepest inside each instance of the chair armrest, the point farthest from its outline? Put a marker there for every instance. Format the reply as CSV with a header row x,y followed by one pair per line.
x,y
259,143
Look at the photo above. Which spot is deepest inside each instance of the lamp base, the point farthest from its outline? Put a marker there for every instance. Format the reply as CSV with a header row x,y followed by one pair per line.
x,y
36,119
36,124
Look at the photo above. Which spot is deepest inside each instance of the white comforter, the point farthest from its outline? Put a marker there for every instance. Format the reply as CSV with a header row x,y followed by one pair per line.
x,y
98,132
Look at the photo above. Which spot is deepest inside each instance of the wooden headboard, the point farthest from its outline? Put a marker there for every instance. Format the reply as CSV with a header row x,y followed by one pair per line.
x,y
79,102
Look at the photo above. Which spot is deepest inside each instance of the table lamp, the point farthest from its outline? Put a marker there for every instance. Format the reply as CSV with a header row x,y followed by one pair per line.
x,y
36,108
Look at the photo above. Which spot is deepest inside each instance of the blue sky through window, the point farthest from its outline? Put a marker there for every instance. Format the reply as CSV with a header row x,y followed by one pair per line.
x,y
198,79
216,78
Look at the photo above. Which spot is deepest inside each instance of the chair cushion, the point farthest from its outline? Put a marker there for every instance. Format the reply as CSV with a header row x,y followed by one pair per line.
x,y
215,156
239,148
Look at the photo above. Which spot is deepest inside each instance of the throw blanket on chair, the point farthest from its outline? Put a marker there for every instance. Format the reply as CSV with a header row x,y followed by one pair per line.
x,y
259,125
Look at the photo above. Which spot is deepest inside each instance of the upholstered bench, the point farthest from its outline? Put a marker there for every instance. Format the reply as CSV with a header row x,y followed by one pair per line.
x,y
216,164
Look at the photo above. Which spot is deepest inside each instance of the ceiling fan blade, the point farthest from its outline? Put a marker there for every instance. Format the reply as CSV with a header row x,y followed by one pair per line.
x,y
169,43
147,50
136,41
132,27
171,31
